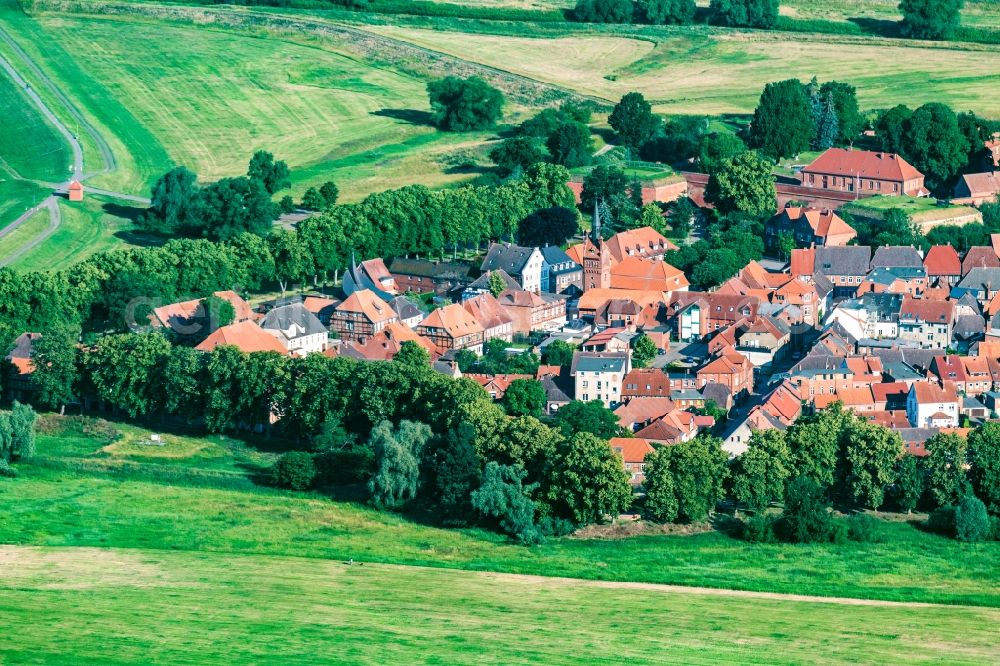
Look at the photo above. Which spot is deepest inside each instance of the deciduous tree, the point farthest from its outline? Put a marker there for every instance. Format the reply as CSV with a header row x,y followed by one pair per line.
x,y
633,119
984,459
461,105
945,463
743,184
586,481
930,19
759,474
782,124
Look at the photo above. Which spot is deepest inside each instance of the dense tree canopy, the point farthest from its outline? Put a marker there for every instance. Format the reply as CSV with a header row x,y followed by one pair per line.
x,y
696,470
759,474
633,120
516,154
461,105
548,226
273,173
745,13
603,11
570,144
665,12
930,19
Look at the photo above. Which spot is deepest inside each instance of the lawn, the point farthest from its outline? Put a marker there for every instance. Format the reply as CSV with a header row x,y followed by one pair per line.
x,y
93,225
30,147
32,227
691,70
112,606
923,210
16,196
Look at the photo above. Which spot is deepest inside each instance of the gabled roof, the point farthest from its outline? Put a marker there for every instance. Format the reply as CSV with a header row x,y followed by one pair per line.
x,y
405,308
803,262
179,315
384,345
482,283
646,274
921,310
643,410
509,257
942,260
365,302
985,279
729,363
824,223
980,257
488,311
553,255
847,260
930,392
247,336
293,321
452,319
632,449
637,241
897,256
982,184
864,164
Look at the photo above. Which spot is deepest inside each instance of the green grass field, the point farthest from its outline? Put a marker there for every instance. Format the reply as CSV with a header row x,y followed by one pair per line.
x,y
144,606
29,146
35,225
694,71
232,93
17,196
142,553
93,225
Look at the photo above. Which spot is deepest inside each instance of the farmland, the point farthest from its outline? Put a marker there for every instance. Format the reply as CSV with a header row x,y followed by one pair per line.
x,y
157,547
157,606
694,71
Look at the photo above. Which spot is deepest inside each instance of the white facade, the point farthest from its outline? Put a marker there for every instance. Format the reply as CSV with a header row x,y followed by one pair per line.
x,y
531,274
931,414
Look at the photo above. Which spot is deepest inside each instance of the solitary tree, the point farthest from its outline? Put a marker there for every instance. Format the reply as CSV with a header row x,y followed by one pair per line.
x,y
930,19
586,480
984,460
503,497
524,397
22,432
743,184
461,105
643,351
633,119
782,124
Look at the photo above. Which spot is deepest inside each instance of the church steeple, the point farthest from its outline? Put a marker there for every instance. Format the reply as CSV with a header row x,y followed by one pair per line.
x,y
595,225
596,257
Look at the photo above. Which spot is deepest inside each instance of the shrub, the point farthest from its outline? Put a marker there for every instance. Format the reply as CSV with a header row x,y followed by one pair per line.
x,y
294,470
805,518
942,521
862,527
341,467
972,523
6,470
760,529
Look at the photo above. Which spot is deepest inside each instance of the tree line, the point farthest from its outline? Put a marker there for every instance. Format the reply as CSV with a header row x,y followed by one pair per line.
x,y
113,290
735,13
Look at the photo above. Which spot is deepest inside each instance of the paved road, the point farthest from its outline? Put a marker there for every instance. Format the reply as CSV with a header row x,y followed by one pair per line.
x,y
107,156
55,219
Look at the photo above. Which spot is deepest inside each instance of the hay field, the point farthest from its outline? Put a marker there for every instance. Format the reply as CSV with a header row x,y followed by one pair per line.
x,y
699,72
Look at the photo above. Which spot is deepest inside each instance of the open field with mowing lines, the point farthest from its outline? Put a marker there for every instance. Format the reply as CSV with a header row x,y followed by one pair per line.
x,y
699,72
16,196
32,227
138,606
231,94
29,146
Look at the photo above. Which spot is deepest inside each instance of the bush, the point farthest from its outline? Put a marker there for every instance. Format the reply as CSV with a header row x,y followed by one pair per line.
x,y
6,470
942,521
340,467
972,523
294,470
862,527
805,518
760,529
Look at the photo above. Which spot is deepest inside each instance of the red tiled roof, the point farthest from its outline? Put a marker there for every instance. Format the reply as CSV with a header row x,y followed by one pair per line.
x,y
632,449
863,163
942,260
803,262
980,257
246,336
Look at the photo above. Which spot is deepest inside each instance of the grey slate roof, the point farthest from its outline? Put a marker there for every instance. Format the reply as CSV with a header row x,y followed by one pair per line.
x,y
843,260
971,326
405,308
557,389
295,315
443,270
978,279
511,258
886,276
558,260
482,283
897,256
599,362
